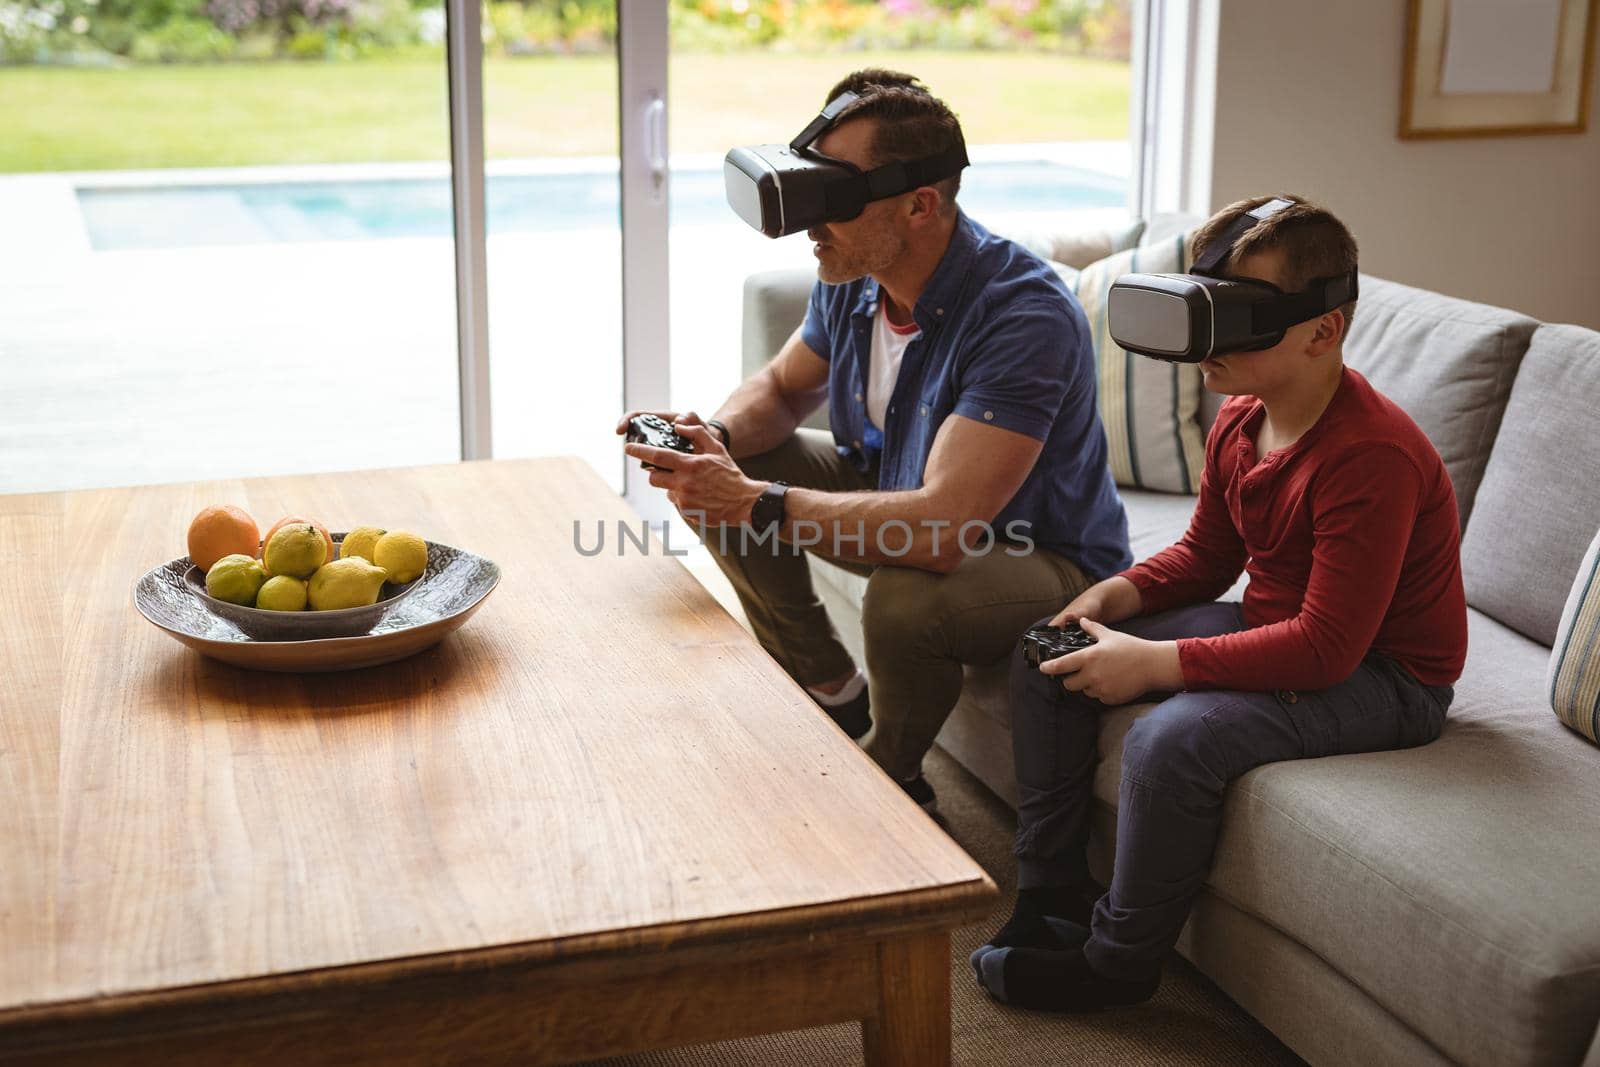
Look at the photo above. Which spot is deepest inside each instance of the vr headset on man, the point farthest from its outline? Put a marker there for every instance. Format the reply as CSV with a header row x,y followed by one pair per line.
x,y
783,189
1184,318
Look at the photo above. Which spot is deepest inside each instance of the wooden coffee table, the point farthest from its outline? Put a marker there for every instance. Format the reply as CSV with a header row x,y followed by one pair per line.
x,y
598,819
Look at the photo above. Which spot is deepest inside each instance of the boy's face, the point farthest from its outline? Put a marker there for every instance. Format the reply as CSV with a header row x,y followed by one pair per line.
x,y
1270,370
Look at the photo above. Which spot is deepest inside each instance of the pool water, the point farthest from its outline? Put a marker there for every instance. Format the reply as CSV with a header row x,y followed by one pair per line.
x,y
185,216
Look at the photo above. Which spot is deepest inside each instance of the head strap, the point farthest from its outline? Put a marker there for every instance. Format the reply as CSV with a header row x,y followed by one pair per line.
x,y
821,124
1217,253
1318,298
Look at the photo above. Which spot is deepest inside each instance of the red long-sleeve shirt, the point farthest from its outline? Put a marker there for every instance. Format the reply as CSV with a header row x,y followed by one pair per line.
x,y
1351,539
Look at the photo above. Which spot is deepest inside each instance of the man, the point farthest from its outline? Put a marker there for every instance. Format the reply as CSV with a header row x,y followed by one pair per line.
x,y
960,384
1351,633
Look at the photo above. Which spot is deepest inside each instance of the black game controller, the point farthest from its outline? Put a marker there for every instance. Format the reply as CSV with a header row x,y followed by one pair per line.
x,y
1048,642
656,432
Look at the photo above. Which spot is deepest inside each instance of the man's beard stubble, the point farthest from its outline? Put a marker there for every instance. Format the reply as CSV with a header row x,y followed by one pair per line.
x,y
870,254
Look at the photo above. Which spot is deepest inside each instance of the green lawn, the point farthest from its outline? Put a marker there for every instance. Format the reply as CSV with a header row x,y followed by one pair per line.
x,y
394,109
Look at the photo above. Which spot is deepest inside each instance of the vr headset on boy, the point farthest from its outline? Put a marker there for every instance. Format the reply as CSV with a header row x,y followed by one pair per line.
x,y
783,189
1184,318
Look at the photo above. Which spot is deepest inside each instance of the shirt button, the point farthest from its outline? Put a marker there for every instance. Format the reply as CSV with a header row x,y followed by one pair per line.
x,y
858,445
924,411
988,416
938,311
891,409
858,397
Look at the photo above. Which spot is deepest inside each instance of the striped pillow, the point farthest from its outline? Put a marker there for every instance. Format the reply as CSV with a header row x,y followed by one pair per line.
x,y
1151,409
1574,681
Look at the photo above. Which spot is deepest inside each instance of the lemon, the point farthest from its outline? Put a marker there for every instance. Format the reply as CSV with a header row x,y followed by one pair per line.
x,y
345,583
296,550
403,554
360,542
236,579
282,593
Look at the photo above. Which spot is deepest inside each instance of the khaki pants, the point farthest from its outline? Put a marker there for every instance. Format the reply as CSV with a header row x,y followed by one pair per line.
x,y
919,627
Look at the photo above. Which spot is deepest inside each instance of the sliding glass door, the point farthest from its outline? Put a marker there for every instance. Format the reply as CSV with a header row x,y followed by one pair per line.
x,y
235,243
554,228
227,241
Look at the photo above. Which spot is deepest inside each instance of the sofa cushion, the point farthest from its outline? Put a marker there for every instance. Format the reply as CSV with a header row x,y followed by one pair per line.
x,y
1574,679
1539,503
1150,409
1449,363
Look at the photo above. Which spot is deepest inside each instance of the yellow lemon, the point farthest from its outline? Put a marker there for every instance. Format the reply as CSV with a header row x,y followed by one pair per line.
x,y
360,542
345,583
403,554
296,550
282,593
236,578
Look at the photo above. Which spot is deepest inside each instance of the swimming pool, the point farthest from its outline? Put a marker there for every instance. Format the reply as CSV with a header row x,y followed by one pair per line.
x,y
365,209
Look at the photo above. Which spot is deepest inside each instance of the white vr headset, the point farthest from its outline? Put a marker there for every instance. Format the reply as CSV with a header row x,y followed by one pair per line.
x,y
1184,318
783,189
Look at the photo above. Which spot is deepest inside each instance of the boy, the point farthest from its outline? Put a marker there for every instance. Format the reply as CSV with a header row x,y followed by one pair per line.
x,y
1351,633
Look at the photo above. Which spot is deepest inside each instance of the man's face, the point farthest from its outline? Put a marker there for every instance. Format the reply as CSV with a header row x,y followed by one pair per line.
x,y
1267,370
871,241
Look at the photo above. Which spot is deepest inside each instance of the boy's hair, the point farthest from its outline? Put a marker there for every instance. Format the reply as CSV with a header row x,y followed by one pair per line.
x,y
912,122
1314,243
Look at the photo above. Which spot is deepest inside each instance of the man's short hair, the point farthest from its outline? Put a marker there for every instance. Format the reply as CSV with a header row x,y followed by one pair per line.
x,y
1314,243
912,122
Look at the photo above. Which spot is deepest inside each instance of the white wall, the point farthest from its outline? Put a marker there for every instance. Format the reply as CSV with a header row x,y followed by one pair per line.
x,y
1308,102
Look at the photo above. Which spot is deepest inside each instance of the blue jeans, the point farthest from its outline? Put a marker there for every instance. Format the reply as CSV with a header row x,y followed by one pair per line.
x,y
1176,762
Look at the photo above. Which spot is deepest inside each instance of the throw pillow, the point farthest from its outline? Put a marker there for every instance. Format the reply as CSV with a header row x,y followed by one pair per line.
x,y
1574,679
1150,409
1077,247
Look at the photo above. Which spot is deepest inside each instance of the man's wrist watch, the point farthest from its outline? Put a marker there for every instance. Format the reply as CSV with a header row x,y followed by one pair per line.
x,y
769,506
722,428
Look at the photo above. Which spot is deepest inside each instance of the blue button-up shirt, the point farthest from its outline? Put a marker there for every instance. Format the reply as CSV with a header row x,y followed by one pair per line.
x,y
1002,342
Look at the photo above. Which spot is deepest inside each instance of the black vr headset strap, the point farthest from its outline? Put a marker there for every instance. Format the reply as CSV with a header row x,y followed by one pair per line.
x,y
819,125
1217,254
1321,297
893,178
898,177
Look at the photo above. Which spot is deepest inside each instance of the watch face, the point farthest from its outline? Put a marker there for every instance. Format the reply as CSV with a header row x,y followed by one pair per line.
x,y
768,508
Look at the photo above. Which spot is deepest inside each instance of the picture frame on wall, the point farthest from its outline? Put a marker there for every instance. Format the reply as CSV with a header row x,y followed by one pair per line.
x,y
1496,68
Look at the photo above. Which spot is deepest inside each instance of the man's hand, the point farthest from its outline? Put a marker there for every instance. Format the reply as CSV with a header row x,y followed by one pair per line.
x,y
1119,667
705,483
664,416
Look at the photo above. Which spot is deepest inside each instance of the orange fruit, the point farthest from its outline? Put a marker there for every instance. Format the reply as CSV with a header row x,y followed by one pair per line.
x,y
222,530
296,520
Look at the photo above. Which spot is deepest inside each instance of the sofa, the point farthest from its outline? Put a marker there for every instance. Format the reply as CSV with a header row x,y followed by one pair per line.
x,y
1433,905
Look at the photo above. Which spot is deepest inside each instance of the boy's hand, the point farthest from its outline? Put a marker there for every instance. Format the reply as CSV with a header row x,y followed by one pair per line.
x,y
1118,668
1112,600
1088,604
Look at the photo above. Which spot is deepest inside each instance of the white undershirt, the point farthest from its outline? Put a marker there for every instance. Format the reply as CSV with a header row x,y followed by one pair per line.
x,y
883,367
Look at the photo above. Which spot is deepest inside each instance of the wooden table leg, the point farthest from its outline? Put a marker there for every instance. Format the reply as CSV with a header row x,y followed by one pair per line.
x,y
912,1027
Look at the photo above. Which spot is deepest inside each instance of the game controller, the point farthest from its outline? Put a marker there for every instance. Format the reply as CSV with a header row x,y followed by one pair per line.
x,y
1048,642
656,432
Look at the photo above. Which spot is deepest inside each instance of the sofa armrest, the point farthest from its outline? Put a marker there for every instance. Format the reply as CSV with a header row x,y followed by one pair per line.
x,y
774,304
